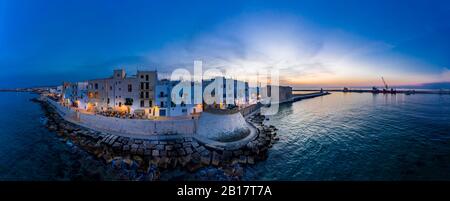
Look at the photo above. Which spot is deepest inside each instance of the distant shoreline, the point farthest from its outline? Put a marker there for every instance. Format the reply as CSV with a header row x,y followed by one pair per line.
x,y
12,90
399,91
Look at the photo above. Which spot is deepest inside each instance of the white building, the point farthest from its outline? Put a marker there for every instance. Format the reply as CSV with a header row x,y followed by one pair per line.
x,y
74,94
145,95
234,92
119,92
167,106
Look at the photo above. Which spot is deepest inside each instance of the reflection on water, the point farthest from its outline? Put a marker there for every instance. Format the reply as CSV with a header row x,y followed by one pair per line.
x,y
28,151
353,136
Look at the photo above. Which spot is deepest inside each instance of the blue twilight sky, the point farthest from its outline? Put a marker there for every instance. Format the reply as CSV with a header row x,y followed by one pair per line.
x,y
312,43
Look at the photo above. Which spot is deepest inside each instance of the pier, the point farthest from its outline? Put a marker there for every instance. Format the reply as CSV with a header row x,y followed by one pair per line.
x,y
298,97
397,91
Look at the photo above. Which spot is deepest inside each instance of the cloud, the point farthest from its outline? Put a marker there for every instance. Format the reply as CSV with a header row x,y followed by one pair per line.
x,y
302,52
263,42
445,75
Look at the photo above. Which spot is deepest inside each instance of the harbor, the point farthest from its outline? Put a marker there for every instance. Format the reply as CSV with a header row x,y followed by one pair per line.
x,y
148,156
308,137
144,157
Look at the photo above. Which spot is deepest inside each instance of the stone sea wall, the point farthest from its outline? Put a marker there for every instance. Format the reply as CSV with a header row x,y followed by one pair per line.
x,y
127,126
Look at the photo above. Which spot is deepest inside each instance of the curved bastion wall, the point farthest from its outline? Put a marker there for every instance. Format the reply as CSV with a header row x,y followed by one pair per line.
x,y
216,126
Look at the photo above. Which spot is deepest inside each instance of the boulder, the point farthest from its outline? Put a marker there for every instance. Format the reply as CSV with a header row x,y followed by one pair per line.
x,y
155,153
192,167
205,159
188,150
160,147
215,159
250,160
116,146
140,151
243,159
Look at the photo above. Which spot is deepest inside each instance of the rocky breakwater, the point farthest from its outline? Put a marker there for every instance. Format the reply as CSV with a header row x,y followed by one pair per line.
x,y
143,159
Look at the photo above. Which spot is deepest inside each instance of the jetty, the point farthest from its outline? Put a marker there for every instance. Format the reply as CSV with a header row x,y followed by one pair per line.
x,y
397,91
298,97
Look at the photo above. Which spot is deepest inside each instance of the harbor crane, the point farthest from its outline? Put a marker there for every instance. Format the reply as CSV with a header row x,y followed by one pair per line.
x,y
384,82
386,87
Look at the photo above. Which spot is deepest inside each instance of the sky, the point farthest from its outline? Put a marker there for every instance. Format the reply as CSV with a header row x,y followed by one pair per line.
x,y
311,43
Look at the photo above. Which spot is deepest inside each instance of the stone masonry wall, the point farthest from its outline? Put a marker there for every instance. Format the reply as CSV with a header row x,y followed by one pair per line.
x,y
128,126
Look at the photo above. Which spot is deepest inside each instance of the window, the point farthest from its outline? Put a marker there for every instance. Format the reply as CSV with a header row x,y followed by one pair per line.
x,y
128,101
142,76
96,86
120,104
184,110
142,94
146,77
142,103
120,89
107,101
161,94
146,94
142,86
110,88
150,103
183,104
130,88
162,104
147,85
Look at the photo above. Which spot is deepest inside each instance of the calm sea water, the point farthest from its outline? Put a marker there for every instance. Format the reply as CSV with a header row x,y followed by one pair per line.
x,y
336,137
28,151
352,136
